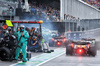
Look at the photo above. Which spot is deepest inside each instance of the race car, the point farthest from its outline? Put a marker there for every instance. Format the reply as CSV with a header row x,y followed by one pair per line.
x,y
81,48
58,41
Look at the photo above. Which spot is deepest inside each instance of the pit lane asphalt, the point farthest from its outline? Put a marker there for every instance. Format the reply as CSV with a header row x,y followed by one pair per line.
x,y
64,60
7,63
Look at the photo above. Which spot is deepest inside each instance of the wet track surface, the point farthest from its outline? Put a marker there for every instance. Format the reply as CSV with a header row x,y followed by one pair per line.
x,y
64,60
8,63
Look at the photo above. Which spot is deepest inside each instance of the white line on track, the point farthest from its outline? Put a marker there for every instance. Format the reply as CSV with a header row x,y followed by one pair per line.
x,y
21,61
50,59
40,63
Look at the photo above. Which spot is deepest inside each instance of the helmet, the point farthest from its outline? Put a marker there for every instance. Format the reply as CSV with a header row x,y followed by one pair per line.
x,y
6,33
33,28
9,28
27,29
36,33
22,26
34,37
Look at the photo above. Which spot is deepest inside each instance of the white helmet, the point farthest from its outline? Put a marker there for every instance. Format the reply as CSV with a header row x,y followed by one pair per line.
x,y
22,26
6,33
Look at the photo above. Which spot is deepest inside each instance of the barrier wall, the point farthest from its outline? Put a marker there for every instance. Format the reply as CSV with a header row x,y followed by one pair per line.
x,y
77,8
89,24
95,33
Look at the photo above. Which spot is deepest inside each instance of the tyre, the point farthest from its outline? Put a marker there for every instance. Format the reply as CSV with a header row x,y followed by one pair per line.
x,y
69,50
4,54
93,51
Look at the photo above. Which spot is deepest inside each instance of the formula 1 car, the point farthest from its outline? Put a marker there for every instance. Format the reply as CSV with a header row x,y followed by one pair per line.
x,y
57,41
81,48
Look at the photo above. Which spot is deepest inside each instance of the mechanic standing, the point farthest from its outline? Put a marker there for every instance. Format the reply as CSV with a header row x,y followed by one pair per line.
x,y
22,38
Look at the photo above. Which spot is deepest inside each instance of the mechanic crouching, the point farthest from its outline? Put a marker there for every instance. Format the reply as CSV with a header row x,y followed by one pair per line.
x,y
22,35
34,44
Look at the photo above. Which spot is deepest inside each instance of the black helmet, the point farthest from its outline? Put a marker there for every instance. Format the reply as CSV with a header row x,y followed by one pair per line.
x,y
33,28
9,28
34,37
36,33
27,29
